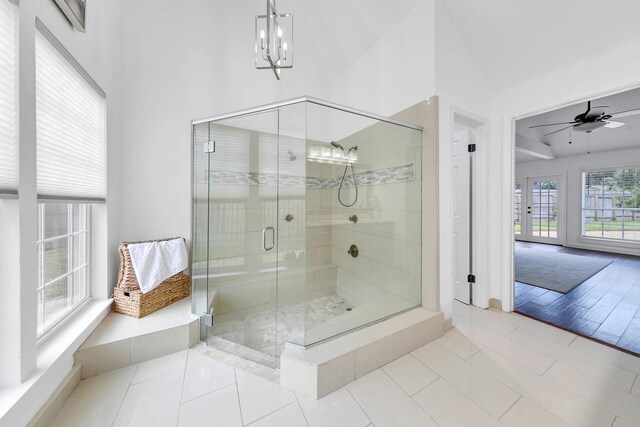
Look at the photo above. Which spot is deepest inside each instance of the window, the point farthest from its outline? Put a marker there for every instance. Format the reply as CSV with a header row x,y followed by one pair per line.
x,y
70,125
611,204
63,261
71,174
8,98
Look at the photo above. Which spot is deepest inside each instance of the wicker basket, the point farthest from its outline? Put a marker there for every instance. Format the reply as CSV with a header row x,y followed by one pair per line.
x,y
128,298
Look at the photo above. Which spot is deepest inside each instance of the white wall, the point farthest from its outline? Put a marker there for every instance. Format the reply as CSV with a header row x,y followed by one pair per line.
x,y
617,69
397,71
573,167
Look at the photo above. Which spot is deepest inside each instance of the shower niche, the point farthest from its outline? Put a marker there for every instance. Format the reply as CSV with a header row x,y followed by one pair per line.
x,y
306,232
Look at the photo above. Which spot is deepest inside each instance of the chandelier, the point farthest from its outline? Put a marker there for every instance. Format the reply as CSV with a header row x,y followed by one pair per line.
x,y
274,40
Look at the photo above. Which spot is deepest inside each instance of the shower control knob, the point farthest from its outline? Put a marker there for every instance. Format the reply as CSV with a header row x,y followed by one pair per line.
x,y
353,251
353,218
288,218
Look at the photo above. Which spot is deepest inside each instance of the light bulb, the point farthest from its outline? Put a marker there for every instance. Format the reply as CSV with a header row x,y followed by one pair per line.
x,y
261,34
284,46
279,31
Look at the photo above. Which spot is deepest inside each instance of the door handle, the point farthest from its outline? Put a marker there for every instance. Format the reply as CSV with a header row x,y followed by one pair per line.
x,y
264,238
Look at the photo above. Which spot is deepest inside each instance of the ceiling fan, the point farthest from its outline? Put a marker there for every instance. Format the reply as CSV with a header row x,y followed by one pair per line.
x,y
593,119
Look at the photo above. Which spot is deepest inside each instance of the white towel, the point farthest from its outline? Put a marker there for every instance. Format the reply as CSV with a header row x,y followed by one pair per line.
x,y
156,261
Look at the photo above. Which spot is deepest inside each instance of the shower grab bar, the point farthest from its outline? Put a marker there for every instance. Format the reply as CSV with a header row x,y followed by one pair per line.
x,y
264,238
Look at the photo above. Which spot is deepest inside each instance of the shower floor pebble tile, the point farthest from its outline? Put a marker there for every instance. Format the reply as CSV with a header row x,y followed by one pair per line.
x,y
418,390
259,331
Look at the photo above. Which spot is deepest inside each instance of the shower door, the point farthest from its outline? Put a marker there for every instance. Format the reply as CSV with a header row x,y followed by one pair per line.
x,y
242,236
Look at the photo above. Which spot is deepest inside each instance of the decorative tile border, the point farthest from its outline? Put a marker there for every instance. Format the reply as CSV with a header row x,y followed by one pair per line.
x,y
390,175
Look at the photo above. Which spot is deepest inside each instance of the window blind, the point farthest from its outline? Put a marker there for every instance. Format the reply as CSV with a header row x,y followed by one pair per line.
x,y
70,124
8,101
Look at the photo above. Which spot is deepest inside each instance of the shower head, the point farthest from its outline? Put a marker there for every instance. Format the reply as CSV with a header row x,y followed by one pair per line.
x,y
292,156
335,144
354,148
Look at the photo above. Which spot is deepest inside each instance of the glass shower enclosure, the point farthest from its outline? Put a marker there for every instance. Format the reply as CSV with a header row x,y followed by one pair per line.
x,y
306,225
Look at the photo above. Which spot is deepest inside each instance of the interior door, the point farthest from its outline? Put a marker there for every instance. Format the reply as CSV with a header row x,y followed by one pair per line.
x,y
462,225
543,222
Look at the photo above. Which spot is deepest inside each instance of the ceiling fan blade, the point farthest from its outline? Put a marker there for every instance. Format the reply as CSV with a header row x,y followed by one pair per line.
x,y
559,130
551,124
626,113
612,125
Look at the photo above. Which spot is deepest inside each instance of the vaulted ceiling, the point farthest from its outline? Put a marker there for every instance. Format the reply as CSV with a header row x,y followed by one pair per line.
x,y
513,41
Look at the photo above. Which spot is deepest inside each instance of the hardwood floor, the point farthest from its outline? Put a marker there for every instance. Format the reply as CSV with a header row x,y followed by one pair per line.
x,y
605,307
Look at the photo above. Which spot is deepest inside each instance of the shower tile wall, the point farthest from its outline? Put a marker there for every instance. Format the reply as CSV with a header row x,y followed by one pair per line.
x,y
388,230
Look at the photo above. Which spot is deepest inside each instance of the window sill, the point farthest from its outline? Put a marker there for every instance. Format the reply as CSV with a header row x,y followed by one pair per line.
x,y
610,242
55,359
621,246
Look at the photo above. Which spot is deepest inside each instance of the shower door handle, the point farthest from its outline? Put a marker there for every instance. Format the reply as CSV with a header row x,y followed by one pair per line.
x,y
264,238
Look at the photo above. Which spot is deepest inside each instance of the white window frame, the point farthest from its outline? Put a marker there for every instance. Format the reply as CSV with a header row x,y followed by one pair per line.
x,y
603,239
71,310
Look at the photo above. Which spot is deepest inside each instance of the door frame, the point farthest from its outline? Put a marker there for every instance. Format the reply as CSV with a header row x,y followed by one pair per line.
x,y
478,202
508,130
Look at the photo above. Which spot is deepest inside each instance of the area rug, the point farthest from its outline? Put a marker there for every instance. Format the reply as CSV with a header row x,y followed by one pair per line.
x,y
555,271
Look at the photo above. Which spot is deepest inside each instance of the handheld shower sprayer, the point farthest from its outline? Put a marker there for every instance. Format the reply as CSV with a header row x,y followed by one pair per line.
x,y
344,174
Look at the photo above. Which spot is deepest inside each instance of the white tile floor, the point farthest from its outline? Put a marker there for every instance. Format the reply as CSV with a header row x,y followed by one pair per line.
x,y
491,369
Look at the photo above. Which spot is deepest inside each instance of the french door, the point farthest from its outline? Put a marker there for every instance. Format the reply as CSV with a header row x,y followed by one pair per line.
x,y
538,206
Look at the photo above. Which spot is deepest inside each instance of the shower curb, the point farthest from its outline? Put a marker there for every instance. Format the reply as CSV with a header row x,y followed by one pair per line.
x,y
326,367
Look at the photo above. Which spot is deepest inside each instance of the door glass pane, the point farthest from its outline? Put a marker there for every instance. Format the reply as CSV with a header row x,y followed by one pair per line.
x,y
242,254
517,209
544,209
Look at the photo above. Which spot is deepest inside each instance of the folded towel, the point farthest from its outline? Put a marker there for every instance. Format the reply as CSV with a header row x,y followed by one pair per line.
x,y
156,261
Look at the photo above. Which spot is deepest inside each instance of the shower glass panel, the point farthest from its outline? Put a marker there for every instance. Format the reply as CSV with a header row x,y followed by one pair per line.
x,y
241,212
306,225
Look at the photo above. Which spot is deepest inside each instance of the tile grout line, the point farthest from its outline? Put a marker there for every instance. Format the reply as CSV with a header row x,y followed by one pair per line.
x,y
359,406
184,377
394,381
550,366
125,395
301,410
270,413
579,396
485,350
577,352
235,377
207,393
511,407
481,407
413,401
